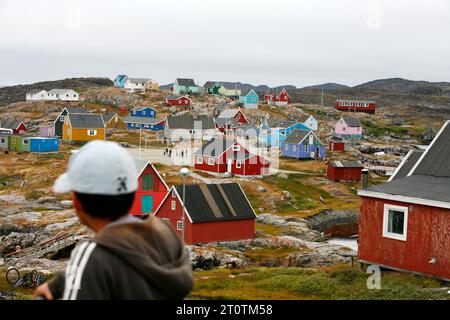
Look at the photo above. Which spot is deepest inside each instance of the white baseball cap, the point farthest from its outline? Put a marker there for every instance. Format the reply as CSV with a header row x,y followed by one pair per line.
x,y
99,167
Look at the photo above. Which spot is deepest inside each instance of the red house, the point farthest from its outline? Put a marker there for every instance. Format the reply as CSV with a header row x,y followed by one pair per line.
x,y
213,212
18,127
230,119
356,106
221,155
151,189
344,170
277,97
405,223
336,144
180,101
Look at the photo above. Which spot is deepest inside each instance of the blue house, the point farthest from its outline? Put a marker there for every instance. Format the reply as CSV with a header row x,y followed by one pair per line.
x,y
182,86
249,98
120,80
302,144
275,133
43,144
152,124
143,112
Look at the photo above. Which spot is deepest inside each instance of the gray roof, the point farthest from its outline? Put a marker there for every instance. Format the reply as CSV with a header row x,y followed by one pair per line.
x,y
273,123
176,97
417,186
108,116
216,202
215,147
297,136
140,164
187,121
230,85
228,113
409,162
86,120
246,91
139,80
336,139
76,110
209,84
303,118
222,121
352,121
61,91
142,120
186,82
346,164
436,161
33,91
275,91
10,124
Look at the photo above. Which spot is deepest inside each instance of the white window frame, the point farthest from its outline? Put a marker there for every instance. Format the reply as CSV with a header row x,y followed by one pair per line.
x,y
211,161
238,164
89,132
199,160
173,205
391,235
294,148
236,147
166,220
61,119
179,225
174,194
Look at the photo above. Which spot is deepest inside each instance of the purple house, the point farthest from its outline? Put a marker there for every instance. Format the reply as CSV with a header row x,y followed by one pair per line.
x,y
48,131
302,144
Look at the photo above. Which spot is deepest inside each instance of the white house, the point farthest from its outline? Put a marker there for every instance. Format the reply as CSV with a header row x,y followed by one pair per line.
x,y
36,95
309,121
63,95
139,84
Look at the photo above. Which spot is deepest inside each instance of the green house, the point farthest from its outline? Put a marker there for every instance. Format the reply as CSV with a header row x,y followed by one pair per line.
x,y
15,143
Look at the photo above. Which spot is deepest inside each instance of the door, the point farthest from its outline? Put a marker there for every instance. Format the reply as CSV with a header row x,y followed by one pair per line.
x,y
229,165
147,204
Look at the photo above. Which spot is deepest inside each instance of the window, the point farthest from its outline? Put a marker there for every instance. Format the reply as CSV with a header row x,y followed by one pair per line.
x,y
61,119
179,225
211,161
3,140
143,113
180,102
199,160
173,205
306,148
25,141
92,133
286,147
166,220
238,164
395,222
174,194
294,148
147,182
236,147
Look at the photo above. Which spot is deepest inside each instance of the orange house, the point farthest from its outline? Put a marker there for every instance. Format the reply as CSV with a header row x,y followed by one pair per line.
x,y
83,127
112,120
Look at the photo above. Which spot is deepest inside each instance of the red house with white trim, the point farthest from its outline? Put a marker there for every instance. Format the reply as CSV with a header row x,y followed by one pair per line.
x,y
213,212
178,101
151,189
230,119
222,155
277,97
405,223
18,127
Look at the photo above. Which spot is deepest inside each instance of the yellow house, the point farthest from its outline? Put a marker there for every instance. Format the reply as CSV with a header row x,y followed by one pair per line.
x,y
83,127
112,120
229,89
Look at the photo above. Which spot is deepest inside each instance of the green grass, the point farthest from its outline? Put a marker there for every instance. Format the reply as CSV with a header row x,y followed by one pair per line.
x,y
50,156
300,283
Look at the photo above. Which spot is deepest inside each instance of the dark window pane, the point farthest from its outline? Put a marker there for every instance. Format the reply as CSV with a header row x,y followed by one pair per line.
x,y
396,221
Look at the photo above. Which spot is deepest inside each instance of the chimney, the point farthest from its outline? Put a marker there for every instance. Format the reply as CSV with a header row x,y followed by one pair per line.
x,y
364,178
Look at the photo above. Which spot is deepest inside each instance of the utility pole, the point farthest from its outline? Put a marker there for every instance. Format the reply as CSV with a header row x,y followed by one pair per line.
x,y
184,173
321,101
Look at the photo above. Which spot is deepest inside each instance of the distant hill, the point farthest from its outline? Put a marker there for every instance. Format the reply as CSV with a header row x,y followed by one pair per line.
x,y
407,86
328,86
258,88
17,93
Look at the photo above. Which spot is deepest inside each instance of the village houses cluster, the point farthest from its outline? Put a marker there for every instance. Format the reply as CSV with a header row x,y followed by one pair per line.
x,y
396,216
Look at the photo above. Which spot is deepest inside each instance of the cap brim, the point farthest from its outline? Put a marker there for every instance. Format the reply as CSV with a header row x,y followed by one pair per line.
x,y
62,184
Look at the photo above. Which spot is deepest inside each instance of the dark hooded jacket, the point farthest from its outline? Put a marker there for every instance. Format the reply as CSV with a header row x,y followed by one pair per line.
x,y
139,260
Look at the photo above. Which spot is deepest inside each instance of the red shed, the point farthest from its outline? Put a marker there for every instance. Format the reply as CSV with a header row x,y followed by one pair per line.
x,y
356,106
277,96
213,212
336,144
18,127
151,189
405,223
223,155
180,101
338,170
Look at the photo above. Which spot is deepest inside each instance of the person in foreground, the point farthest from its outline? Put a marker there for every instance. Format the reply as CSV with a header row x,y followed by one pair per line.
x,y
128,258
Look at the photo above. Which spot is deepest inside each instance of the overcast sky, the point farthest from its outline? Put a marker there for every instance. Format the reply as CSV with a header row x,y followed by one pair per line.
x,y
255,41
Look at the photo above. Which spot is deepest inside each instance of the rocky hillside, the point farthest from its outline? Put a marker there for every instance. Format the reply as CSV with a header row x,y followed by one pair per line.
x,y
328,86
408,86
17,93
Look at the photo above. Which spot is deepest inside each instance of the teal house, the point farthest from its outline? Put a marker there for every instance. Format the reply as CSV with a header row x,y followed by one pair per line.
x,y
120,80
274,133
249,99
185,86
